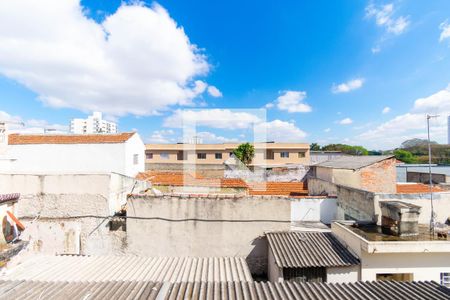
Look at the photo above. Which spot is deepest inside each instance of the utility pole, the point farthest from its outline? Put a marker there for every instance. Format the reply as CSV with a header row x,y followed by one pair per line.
x,y
430,173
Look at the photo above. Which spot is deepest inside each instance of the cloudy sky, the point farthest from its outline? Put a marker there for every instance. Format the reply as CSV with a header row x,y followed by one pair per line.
x,y
317,71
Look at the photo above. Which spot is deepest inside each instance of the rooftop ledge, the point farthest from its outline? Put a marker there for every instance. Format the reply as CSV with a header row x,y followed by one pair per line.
x,y
372,242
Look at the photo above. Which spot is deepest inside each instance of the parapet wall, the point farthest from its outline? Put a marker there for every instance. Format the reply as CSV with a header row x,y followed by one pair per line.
x,y
215,225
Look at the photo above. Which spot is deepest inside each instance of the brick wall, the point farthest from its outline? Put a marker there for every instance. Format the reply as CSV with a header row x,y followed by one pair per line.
x,y
380,177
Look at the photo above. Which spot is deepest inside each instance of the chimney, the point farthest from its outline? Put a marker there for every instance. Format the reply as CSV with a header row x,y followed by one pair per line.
x,y
399,218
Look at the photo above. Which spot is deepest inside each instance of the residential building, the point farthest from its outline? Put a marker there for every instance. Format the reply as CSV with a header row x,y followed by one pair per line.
x,y
267,155
66,277
310,257
385,256
420,173
370,173
86,153
92,124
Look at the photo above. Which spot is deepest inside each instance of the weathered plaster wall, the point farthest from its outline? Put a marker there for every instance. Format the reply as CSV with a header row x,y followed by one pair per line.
x,y
67,213
343,274
380,177
217,226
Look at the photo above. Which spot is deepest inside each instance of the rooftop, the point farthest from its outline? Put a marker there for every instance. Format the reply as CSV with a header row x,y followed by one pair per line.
x,y
373,233
9,197
379,290
294,249
292,189
416,188
128,268
353,162
30,139
225,146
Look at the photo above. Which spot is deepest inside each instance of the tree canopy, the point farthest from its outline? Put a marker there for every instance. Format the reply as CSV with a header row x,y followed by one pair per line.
x,y
245,153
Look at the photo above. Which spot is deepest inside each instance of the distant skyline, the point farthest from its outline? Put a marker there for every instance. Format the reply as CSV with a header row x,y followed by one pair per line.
x,y
361,72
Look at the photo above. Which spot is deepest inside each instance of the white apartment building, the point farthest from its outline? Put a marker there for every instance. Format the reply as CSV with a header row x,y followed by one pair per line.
x,y
93,124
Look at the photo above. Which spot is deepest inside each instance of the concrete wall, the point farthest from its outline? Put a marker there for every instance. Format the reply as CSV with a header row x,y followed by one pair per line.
x,y
68,213
77,158
423,266
320,209
425,178
343,274
319,187
217,226
274,273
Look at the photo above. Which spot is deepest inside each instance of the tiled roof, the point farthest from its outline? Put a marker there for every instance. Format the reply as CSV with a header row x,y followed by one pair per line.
x,y
187,179
416,188
293,249
375,290
28,139
353,162
292,189
123,268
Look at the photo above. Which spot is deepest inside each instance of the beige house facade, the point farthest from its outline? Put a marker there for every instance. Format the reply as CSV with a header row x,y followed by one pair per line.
x,y
266,154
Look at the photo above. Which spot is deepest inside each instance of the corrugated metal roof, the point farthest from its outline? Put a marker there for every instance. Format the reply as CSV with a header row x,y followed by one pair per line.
x,y
353,162
293,249
106,268
379,290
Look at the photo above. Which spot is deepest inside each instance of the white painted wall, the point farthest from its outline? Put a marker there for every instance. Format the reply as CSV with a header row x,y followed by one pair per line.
x,y
314,210
343,274
77,158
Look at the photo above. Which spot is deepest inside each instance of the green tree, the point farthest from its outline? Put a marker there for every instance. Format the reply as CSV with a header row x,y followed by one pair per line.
x,y
314,147
346,149
405,156
245,153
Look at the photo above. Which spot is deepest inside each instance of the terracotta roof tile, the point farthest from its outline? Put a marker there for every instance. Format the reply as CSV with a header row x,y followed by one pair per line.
x,y
416,188
28,139
278,188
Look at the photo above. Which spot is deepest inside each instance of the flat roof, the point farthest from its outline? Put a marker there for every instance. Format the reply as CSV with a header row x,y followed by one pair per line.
x,y
353,162
225,146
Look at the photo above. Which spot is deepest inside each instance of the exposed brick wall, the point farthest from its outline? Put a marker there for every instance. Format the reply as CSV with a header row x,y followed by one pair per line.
x,y
380,177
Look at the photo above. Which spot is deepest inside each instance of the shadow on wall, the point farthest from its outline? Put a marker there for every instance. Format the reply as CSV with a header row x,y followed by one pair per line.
x,y
257,259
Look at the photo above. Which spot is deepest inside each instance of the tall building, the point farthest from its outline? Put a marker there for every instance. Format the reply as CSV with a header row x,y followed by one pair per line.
x,y
93,124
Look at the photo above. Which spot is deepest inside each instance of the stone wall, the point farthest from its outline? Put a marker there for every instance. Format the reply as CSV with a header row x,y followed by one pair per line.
x,y
219,225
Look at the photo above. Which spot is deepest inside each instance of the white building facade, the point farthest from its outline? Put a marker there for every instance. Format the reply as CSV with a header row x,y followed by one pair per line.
x,y
93,124
75,154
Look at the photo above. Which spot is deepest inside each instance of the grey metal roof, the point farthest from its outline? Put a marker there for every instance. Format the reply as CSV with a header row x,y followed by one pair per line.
x,y
294,249
107,268
379,290
353,162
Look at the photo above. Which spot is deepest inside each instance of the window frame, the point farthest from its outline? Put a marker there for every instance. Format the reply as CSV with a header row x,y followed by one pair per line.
x,y
135,159
201,155
445,279
148,155
164,155
284,156
218,154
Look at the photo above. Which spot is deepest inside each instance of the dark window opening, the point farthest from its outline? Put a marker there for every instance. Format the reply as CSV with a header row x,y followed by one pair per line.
x,y
201,155
318,274
218,155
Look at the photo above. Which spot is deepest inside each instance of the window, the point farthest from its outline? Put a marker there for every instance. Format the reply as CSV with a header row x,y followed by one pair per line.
x,y
301,154
445,279
149,155
135,159
269,154
181,155
164,155
218,155
314,274
201,155
284,154
395,277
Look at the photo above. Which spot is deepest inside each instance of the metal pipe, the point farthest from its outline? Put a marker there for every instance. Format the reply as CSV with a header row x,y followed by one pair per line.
x,y
430,173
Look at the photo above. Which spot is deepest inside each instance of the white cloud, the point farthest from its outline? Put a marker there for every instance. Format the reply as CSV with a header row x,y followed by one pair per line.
x,y
376,49
211,138
213,91
346,121
281,131
413,123
386,110
348,86
18,125
269,105
137,61
384,18
327,130
292,101
445,33
162,137
214,118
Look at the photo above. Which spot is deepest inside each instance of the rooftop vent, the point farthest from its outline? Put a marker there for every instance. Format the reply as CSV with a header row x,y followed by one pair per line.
x,y
399,218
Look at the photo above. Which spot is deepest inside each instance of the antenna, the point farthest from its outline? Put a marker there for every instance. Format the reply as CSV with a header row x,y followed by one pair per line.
x,y
429,171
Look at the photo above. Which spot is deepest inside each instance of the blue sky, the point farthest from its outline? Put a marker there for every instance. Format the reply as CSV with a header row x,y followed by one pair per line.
x,y
358,72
